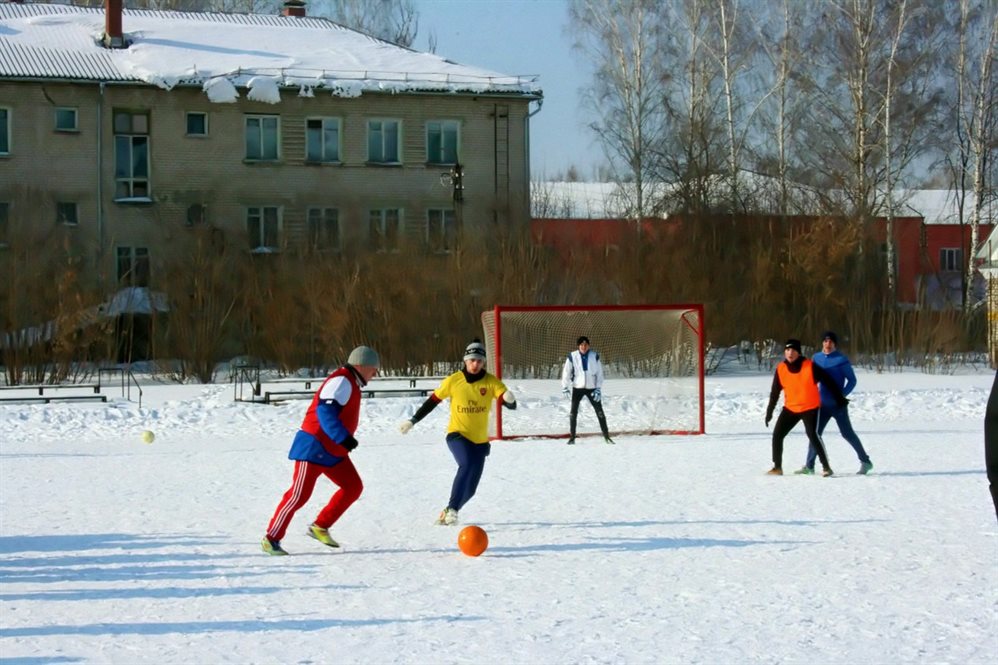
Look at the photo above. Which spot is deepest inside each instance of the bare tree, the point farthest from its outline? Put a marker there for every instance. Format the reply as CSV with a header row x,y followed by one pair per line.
x,y
975,120
396,21
624,40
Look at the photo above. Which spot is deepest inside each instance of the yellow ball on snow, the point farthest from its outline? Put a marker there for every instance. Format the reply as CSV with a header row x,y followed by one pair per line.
x,y
148,436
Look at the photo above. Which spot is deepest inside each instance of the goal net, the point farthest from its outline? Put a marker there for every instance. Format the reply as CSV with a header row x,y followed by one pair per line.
x,y
651,354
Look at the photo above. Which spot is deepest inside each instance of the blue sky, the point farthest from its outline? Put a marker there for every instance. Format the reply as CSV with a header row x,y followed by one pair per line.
x,y
522,37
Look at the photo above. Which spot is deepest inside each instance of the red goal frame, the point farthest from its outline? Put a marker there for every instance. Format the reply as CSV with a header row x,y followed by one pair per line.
x,y
692,316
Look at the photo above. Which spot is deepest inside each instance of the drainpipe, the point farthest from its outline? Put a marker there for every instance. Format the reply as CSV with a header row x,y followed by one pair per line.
x,y
526,138
100,188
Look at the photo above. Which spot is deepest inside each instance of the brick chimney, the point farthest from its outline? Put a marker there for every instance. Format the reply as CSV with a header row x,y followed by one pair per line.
x,y
293,8
113,37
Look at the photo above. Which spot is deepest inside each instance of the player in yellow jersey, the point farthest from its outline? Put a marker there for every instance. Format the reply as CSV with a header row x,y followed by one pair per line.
x,y
472,392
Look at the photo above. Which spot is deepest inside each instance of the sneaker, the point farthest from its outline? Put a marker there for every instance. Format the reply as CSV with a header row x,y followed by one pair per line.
x,y
272,547
609,440
775,471
448,517
865,468
571,440
322,535
825,472
804,471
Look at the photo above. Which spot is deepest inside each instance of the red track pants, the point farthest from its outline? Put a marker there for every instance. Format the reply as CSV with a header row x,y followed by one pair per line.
x,y
306,473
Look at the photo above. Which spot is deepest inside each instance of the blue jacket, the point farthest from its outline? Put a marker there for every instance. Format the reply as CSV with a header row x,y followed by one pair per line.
x,y
839,368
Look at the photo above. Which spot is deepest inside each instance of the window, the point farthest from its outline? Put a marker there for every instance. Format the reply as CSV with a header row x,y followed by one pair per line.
x,y
322,139
4,224
950,259
385,225
4,131
133,266
131,155
261,138
196,214
197,123
383,141
66,120
441,141
66,213
323,229
263,226
441,230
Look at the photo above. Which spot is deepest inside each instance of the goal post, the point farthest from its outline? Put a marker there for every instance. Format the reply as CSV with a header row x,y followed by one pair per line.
x,y
652,354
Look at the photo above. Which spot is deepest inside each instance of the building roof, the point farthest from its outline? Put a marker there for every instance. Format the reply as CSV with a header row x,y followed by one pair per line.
x,y
222,52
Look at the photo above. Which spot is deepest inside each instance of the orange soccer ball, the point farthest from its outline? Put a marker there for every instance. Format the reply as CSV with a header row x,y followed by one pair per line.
x,y
473,540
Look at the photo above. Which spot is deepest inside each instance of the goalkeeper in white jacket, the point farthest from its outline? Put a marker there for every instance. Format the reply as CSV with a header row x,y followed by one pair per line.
x,y
583,377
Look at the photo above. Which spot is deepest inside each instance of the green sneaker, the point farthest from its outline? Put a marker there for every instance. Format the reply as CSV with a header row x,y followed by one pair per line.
x,y
272,547
322,535
804,471
865,468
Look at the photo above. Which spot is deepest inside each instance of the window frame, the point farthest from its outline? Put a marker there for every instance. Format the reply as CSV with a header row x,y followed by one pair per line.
x,y
447,219
324,158
4,224
261,231
137,139
200,218
264,156
67,213
441,158
381,239
187,124
138,271
950,256
317,222
397,122
6,137
75,129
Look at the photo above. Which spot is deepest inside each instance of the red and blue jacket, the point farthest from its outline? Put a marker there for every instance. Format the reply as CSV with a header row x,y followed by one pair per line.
x,y
331,419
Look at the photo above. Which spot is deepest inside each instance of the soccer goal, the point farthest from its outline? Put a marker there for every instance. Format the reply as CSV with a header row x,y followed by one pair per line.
x,y
651,352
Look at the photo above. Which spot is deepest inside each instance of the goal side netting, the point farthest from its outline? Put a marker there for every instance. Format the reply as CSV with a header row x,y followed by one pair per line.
x,y
652,358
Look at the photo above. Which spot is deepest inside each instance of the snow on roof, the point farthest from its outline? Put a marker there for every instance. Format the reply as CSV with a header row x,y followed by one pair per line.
x,y
223,51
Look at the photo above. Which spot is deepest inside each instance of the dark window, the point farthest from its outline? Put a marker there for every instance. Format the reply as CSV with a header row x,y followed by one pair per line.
x,y
197,123
66,120
324,229
131,155
133,266
66,213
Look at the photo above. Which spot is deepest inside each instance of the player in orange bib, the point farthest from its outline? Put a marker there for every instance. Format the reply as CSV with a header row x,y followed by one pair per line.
x,y
797,378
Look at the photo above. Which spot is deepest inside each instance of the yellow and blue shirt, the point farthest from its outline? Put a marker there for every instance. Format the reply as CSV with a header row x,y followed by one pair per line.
x,y
470,404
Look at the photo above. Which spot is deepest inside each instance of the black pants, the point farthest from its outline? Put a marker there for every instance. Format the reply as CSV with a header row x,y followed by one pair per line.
x,y
786,422
577,395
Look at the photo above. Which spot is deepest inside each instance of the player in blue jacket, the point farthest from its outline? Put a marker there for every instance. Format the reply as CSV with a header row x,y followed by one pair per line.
x,y
839,368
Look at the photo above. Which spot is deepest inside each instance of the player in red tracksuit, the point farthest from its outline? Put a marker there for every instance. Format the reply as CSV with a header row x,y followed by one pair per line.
x,y
321,448
797,377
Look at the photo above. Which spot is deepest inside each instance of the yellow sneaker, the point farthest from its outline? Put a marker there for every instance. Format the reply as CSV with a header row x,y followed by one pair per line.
x,y
322,535
272,547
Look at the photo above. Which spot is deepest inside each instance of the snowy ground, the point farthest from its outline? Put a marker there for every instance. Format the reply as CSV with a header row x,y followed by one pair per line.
x,y
658,550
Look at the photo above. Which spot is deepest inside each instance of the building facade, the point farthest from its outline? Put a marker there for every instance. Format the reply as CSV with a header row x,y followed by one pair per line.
x,y
107,152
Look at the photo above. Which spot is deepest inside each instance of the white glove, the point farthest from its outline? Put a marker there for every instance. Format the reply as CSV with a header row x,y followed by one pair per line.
x,y
508,397
597,395
566,390
405,426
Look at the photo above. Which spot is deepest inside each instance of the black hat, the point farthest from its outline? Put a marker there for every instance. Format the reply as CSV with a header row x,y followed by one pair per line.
x,y
828,334
793,344
581,340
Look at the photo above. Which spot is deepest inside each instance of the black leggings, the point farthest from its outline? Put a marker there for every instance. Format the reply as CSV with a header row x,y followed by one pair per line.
x,y
786,422
577,395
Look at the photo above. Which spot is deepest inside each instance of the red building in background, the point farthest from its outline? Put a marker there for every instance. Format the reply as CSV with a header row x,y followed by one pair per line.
x,y
931,258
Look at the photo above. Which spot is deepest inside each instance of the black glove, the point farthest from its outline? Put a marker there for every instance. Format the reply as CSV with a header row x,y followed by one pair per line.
x,y
769,416
844,401
349,443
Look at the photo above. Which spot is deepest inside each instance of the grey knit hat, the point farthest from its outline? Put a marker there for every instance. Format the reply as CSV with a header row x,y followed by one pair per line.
x,y
364,355
475,350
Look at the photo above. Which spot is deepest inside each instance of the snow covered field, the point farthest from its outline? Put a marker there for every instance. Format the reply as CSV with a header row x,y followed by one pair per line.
x,y
657,550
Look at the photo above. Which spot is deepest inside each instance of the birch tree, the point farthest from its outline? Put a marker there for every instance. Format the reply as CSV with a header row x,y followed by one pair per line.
x,y
623,40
